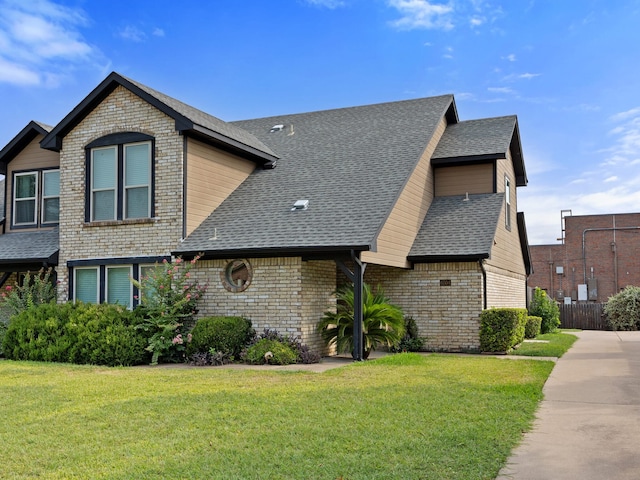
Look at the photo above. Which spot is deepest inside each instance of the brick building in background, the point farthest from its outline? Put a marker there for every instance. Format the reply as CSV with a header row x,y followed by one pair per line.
x,y
600,256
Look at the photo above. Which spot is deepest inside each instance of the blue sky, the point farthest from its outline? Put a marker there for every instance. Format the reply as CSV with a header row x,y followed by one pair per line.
x,y
569,69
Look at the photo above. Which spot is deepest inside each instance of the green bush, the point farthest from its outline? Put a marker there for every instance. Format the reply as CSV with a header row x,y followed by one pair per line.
x,y
623,309
76,333
532,328
223,334
546,308
270,351
501,328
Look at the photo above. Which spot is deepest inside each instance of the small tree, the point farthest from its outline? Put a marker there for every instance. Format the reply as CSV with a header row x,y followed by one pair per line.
x,y
623,309
169,297
544,307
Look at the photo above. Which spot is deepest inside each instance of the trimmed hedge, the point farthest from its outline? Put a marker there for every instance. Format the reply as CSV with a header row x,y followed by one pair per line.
x,y
502,329
532,328
76,333
223,334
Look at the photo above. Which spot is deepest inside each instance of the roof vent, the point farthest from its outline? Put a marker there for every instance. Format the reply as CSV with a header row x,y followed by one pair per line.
x,y
276,128
300,205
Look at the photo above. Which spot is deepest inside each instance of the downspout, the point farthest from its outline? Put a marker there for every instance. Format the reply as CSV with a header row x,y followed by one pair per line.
x,y
484,284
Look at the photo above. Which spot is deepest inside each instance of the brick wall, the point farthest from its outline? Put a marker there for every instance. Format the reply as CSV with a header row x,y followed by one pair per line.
x,y
286,294
609,261
121,111
445,299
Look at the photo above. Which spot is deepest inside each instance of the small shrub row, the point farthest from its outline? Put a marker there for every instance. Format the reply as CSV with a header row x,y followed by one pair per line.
x,y
532,328
502,329
76,333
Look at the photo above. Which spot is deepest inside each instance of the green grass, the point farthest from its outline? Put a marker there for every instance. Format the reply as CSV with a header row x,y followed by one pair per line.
x,y
402,416
558,344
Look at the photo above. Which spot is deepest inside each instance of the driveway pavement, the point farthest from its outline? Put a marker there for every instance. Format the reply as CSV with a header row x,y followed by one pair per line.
x,y
588,425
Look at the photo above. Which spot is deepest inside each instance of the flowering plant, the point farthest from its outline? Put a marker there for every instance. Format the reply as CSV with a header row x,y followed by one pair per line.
x,y
169,297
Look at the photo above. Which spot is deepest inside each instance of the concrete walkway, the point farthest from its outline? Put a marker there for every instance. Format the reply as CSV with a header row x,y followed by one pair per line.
x,y
588,425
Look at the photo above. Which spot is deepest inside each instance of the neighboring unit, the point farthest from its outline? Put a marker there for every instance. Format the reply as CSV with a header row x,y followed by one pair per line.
x,y
284,209
600,256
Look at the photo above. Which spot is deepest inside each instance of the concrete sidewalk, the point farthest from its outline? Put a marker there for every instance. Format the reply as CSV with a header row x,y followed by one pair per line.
x,y
588,425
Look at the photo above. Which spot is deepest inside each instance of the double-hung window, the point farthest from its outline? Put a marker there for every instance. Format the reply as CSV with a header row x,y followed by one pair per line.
x,y
507,202
36,198
25,205
120,178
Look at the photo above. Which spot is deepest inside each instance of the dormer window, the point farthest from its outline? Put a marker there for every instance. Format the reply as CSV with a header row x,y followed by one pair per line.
x,y
120,178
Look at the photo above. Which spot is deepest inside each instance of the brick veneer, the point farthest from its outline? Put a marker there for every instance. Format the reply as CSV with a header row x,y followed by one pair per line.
x,y
447,316
286,294
121,111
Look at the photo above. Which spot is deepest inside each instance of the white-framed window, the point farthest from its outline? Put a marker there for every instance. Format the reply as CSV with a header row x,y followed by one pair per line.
x,y
119,288
50,196
25,193
86,283
104,183
507,202
120,180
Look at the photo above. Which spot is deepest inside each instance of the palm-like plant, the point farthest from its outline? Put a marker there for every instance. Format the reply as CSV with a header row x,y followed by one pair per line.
x,y
383,323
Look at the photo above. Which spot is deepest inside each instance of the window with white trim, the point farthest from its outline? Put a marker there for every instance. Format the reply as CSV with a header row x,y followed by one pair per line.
x,y
25,193
50,196
507,202
120,178
86,281
36,198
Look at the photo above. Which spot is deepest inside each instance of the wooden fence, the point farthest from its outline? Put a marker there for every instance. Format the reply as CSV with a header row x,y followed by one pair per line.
x,y
586,316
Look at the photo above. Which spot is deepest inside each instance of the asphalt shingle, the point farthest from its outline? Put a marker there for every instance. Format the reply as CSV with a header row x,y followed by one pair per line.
x,y
456,228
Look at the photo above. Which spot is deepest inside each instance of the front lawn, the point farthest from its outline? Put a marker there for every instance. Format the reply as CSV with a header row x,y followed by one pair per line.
x,y
404,416
548,345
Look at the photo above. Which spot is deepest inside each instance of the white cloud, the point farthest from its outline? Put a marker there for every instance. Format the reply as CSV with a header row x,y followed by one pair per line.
x,y
422,14
39,41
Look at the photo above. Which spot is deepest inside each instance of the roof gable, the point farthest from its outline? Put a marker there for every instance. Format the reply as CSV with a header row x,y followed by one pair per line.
x,y
458,228
188,120
483,139
350,164
20,141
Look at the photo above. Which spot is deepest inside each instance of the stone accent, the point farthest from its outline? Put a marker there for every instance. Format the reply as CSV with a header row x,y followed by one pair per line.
x,y
286,294
447,316
121,111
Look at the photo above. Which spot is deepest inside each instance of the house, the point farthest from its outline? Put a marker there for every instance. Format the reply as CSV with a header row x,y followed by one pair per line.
x,y
402,194
598,257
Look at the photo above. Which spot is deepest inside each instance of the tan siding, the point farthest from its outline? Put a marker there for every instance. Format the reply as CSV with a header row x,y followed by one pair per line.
x,y
403,224
464,179
211,176
31,157
506,253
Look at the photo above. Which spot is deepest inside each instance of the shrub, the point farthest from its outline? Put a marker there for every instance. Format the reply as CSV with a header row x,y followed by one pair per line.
x,y
382,321
532,328
80,333
169,297
270,351
623,309
410,342
546,308
223,334
501,328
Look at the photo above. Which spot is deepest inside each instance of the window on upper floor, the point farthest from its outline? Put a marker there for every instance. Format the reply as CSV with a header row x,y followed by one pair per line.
x,y
507,202
36,198
120,178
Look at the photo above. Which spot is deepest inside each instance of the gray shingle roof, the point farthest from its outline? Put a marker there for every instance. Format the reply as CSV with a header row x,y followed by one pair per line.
x,y
455,228
351,164
38,246
487,136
